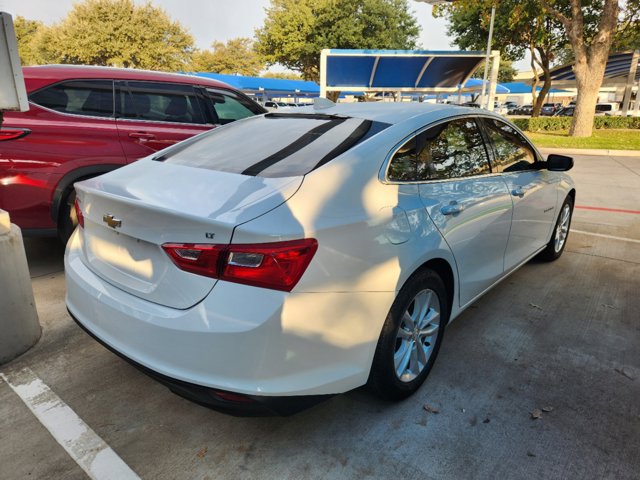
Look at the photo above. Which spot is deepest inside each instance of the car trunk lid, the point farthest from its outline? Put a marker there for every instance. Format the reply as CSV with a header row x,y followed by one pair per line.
x,y
131,212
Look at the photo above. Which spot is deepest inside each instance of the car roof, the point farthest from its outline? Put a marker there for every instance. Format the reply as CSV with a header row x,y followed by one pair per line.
x,y
41,75
398,112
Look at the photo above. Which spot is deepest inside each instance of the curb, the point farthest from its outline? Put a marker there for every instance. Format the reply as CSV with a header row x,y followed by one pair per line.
x,y
590,151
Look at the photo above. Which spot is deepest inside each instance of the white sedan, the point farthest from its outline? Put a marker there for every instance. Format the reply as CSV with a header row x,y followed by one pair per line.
x,y
283,258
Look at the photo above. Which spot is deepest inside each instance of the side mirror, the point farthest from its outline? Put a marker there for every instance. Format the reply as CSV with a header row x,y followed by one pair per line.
x,y
559,163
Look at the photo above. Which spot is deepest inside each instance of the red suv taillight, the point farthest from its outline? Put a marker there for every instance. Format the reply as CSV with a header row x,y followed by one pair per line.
x,y
13,133
277,265
79,215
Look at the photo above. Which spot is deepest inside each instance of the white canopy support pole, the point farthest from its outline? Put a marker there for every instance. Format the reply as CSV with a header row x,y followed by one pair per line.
x,y
630,81
373,72
495,67
323,73
424,67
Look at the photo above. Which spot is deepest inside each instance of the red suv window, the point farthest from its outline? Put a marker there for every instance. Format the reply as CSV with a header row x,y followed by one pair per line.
x,y
78,97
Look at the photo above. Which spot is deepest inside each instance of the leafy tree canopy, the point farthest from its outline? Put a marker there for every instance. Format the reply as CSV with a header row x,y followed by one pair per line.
x,y
237,56
110,33
295,31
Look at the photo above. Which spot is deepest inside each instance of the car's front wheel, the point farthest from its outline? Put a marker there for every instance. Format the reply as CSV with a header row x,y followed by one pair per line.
x,y
411,337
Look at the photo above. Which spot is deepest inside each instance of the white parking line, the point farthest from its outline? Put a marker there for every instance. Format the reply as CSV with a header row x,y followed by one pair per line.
x,y
624,239
88,450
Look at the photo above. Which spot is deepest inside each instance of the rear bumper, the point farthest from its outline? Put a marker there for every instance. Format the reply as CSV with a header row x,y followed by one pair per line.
x,y
241,339
244,405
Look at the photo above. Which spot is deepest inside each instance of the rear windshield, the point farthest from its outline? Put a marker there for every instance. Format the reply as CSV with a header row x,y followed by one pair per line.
x,y
273,145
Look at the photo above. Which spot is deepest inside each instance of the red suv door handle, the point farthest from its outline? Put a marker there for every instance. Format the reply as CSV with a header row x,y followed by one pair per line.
x,y
142,135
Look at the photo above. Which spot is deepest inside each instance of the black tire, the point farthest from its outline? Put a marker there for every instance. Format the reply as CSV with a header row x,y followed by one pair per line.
x,y
67,219
383,378
553,251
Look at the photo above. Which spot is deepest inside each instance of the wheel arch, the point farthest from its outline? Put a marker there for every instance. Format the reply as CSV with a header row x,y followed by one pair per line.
x,y
445,271
65,185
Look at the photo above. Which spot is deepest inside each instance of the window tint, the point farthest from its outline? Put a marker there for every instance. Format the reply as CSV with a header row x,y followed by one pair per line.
x,y
273,145
450,150
79,97
160,102
512,152
227,106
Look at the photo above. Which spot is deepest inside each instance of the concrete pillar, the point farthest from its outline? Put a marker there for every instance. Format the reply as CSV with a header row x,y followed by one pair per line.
x,y
19,325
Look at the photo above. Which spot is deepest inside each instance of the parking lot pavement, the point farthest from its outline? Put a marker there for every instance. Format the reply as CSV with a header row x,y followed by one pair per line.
x,y
564,335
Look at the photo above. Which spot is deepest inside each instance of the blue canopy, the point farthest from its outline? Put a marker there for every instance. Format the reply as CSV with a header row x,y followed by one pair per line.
x,y
518,88
398,70
259,85
615,73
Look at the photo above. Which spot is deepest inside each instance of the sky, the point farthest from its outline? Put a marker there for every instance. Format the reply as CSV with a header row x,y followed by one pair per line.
x,y
221,20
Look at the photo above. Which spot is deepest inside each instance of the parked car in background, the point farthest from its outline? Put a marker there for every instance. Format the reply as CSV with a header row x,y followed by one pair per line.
x,y
565,112
272,106
84,121
524,110
329,252
548,109
608,109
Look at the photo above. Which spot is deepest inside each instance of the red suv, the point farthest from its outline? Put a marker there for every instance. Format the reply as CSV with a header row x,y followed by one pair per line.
x,y
85,121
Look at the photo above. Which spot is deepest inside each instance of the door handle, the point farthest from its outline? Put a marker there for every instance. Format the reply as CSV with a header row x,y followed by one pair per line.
x,y
142,135
451,209
517,192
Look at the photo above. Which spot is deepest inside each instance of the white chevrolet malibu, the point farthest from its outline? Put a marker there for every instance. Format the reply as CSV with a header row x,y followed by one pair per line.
x,y
284,258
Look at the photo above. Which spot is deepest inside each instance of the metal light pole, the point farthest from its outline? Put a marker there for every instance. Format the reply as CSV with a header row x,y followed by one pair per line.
x,y
489,41
486,59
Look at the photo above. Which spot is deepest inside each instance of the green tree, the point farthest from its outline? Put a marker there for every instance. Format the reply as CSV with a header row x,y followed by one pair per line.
x,y
26,34
237,56
283,75
591,27
119,33
295,31
506,71
520,26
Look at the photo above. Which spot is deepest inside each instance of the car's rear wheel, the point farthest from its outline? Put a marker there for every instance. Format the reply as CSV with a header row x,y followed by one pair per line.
x,y
67,219
411,337
558,241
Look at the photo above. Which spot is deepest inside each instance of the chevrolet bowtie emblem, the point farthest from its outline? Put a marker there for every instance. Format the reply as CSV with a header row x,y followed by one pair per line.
x,y
111,221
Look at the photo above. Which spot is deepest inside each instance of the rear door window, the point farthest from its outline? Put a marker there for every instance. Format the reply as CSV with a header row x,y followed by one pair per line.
x,y
160,102
453,149
273,145
78,97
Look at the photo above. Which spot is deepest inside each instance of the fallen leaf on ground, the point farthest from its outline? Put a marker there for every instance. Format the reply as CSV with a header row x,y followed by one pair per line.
x,y
625,373
609,306
202,452
529,454
431,409
533,305
547,409
536,414
486,420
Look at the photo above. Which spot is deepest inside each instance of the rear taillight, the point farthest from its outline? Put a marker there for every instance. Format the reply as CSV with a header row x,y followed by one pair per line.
x,y
79,215
278,265
13,133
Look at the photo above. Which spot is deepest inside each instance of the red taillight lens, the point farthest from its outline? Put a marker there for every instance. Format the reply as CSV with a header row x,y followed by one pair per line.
x,y
13,133
79,215
278,265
